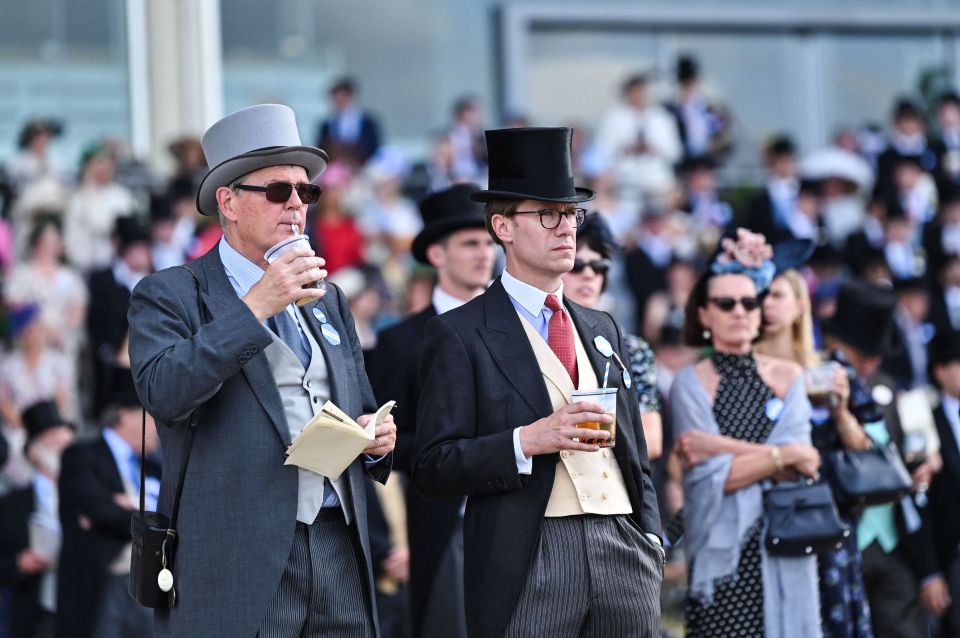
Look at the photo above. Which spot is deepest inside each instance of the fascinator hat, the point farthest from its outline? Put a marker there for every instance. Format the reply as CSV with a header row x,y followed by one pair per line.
x,y
748,253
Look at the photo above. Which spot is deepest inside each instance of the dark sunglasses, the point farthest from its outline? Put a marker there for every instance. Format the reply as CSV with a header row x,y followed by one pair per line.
x,y
279,192
599,266
727,304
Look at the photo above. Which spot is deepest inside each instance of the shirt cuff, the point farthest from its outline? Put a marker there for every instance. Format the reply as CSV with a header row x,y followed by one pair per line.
x,y
656,539
524,463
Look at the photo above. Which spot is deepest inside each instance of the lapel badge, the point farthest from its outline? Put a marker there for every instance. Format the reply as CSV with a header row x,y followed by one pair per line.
x,y
330,334
322,318
627,381
602,345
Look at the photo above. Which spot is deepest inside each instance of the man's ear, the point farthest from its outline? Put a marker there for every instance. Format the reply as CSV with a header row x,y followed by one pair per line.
x,y
226,199
502,228
436,255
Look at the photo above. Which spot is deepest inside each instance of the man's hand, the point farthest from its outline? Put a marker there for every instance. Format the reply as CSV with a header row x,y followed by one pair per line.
x,y
558,431
840,389
29,562
122,500
386,436
935,595
397,564
923,475
283,283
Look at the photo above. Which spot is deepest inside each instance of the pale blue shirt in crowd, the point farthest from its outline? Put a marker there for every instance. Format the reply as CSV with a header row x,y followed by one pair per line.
x,y
529,302
122,455
951,409
243,274
444,302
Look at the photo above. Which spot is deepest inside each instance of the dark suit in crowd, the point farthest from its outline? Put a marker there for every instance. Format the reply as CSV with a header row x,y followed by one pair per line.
x,y
95,532
26,614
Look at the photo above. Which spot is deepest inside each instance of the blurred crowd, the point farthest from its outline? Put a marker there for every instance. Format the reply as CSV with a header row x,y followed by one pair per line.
x,y
881,203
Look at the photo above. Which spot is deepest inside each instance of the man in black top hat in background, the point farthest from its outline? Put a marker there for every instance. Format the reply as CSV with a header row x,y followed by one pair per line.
x,y
555,530
99,490
455,242
110,290
860,333
940,591
30,529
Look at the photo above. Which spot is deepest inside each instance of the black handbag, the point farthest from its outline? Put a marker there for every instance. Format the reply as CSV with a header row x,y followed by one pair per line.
x,y
802,520
154,535
876,476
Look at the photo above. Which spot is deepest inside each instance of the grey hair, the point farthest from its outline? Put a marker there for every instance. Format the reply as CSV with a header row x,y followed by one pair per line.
x,y
235,187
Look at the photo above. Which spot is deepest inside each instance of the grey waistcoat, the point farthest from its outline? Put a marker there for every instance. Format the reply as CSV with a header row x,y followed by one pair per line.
x,y
303,393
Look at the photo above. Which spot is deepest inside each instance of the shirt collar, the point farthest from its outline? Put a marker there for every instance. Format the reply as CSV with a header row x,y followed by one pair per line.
x,y
242,272
120,449
532,299
126,276
444,302
951,408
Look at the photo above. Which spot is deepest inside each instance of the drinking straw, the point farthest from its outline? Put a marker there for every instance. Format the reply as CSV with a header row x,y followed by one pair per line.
x,y
606,374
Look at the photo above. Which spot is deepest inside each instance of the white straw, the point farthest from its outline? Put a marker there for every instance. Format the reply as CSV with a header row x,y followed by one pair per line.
x,y
293,227
606,374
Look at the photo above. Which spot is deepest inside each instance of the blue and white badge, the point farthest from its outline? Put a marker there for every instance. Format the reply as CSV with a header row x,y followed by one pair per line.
x,y
774,408
330,334
322,318
627,381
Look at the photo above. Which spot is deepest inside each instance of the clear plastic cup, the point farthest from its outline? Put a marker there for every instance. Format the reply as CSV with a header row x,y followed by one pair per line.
x,y
295,241
606,398
819,383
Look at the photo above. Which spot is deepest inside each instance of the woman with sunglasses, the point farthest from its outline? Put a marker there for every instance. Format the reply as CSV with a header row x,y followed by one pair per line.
x,y
788,334
583,285
740,420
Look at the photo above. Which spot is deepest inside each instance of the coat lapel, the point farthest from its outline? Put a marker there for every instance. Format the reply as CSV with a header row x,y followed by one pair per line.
x,y
332,354
508,345
948,443
220,298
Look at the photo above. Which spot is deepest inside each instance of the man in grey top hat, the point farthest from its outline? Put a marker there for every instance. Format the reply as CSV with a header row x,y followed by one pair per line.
x,y
263,548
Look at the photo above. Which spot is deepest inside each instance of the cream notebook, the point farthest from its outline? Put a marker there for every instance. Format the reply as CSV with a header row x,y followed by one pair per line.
x,y
331,441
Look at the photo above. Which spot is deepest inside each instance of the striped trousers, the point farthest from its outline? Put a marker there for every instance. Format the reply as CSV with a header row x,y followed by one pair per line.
x,y
591,576
321,591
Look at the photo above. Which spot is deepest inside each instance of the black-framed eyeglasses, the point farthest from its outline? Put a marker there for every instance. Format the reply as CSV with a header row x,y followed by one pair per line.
x,y
727,304
599,266
550,217
279,192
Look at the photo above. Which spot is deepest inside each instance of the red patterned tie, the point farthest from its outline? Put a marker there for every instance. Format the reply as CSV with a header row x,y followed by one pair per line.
x,y
560,338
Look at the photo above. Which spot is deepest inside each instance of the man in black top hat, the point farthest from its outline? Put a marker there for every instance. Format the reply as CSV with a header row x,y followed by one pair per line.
x,y
860,333
555,529
110,290
99,489
940,590
29,526
455,242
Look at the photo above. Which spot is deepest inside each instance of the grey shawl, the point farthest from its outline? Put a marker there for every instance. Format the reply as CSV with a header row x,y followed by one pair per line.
x,y
716,523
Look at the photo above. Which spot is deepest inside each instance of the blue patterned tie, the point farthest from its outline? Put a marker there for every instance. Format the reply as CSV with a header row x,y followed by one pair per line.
x,y
286,328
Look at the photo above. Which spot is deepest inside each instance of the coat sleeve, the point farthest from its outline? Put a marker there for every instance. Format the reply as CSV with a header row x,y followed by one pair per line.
x,y
177,363
650,516
450,459
82,494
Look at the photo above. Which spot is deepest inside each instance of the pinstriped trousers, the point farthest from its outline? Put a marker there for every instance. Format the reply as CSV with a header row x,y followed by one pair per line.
x,y
321,592
592,576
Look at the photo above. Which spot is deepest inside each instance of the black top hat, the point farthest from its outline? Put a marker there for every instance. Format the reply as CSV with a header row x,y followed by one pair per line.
x,y
38,126
696,163
531,163
864,318
130,230
123,393
780,145
943,348
40,417
444,213
687,68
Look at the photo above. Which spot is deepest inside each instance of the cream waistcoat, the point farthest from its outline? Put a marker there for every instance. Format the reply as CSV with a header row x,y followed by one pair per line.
x,y
585,482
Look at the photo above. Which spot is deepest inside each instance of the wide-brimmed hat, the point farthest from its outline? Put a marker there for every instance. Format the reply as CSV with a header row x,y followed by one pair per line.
x,y
864,318
444,213
40,417
531,163
251,139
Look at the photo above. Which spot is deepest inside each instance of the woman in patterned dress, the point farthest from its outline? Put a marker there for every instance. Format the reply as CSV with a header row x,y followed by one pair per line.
x,y
583,285
788,334
741,420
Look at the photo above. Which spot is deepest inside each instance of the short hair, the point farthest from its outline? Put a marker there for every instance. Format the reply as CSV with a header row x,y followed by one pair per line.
x,y
465,103
498,207
637,80
41,222
346,85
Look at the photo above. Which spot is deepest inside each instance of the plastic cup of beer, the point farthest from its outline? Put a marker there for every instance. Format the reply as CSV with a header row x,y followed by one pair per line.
x,y
606,398
818,380
295,241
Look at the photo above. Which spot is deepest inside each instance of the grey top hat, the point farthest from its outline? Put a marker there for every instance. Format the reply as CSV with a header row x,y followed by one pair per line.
x,y
251,139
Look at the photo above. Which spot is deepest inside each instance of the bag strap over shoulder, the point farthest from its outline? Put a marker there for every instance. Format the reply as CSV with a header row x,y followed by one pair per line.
x,y
188,442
